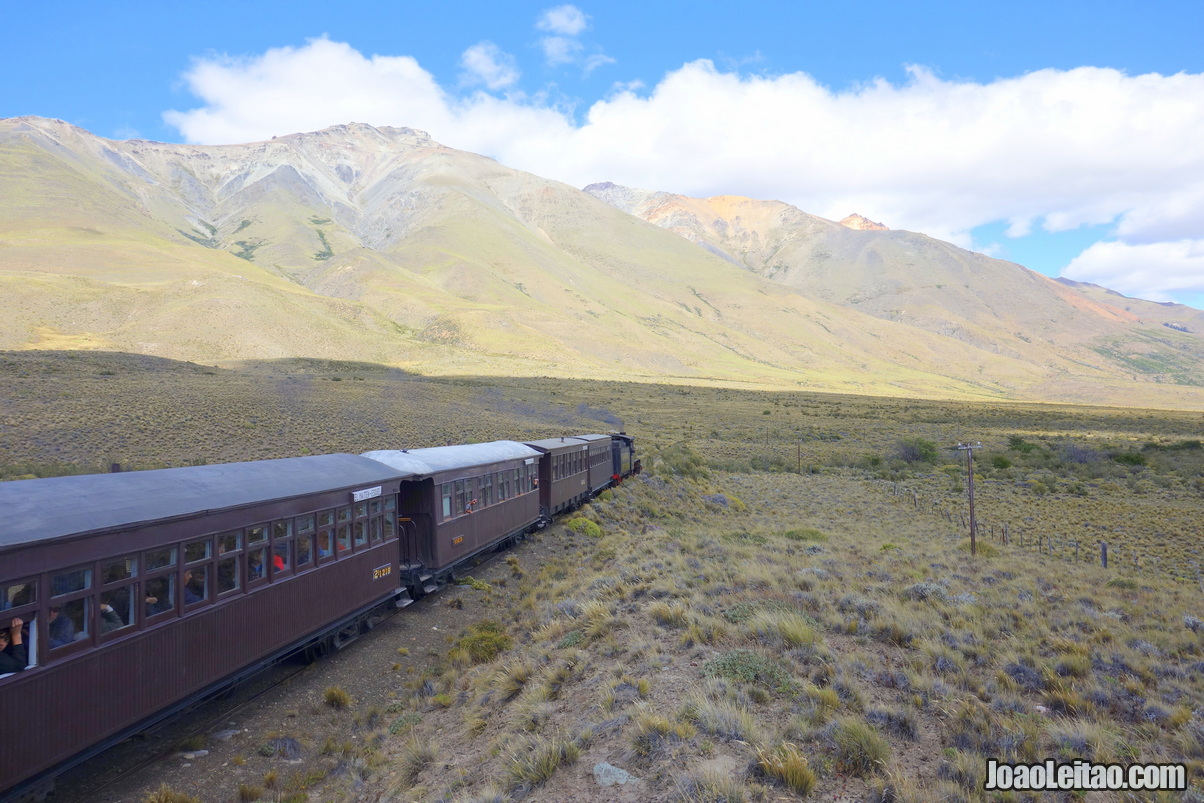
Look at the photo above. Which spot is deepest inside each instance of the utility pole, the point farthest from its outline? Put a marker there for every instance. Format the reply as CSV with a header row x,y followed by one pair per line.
x,y
969,450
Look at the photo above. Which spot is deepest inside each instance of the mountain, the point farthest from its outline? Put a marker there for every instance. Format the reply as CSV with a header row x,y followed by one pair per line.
x,y
934,286
380,244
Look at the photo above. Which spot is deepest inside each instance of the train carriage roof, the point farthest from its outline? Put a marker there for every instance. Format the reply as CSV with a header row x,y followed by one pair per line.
x,y
448,458
552,444
39,509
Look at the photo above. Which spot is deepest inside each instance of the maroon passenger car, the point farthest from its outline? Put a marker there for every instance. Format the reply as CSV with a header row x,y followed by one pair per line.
x,y
144,590
459,501
563,474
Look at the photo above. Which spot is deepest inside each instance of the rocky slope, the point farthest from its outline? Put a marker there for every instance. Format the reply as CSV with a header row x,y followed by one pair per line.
x,y
380,244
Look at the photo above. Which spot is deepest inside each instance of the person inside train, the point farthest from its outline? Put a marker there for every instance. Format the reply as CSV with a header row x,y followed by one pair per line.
x,y
194,590
115,610
62,629
159,597
13,654
255,565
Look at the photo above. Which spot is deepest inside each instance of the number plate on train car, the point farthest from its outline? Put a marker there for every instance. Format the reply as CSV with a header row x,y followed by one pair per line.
x,y
382,571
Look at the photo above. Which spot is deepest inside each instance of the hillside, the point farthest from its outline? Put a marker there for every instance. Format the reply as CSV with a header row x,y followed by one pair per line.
x,y
778,580
384,246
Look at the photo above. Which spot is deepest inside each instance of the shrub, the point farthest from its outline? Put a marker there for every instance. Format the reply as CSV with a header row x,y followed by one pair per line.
x,y
484,641
416,755
165,794
860,750
533,760
407,720
787,766
745,666
584,526
805,534
336,698
654,733
916,450
782,627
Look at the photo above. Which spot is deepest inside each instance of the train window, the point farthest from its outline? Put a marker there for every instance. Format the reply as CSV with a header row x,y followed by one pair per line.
x,y
390,502
160,595
326,518
118,570
117,609
230,542
360,528
67,582
282,529
374,507
344,514
305,554
375,526
447,500
461,498
487,490
197,550
257,535
69,622
344,537
361,509
255,561
159,558
18,594
326,543
518,474
229,577
196,585
305,525
282,558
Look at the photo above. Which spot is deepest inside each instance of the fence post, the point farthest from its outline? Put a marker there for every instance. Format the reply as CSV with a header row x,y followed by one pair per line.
x,y
1103,553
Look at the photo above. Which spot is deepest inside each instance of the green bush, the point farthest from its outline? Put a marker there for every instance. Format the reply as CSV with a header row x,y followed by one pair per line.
x,y
484,641
584,526
916,450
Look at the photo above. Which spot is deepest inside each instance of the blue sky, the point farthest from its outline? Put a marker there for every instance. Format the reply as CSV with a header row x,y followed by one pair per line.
x,y
1062,135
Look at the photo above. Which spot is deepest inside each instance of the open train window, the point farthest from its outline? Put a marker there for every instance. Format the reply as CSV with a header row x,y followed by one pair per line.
x,y
18,657
18,600
159,594
118,609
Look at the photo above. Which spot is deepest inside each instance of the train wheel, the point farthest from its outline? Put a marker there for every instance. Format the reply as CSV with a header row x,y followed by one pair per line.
x,y
317,651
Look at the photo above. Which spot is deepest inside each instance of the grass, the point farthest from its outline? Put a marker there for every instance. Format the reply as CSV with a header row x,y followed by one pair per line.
x,y
831,621
336,698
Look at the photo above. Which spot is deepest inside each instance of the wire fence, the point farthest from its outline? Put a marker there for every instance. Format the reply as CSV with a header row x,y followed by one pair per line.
x,y
1095,552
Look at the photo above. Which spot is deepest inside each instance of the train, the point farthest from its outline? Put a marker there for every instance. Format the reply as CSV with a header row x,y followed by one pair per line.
x,y
134,595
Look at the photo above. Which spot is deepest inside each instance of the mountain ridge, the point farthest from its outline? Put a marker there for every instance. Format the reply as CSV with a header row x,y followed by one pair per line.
x,y
381,244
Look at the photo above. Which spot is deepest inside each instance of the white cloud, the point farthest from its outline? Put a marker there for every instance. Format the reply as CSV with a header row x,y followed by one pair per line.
x,y
1052,149
485,63
1157,271
560,49
563,20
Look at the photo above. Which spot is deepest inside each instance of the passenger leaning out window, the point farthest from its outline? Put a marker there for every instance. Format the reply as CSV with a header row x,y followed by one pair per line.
x,y
13,655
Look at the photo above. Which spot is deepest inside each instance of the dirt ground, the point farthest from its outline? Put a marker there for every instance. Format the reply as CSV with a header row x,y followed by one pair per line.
x,y
236,734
